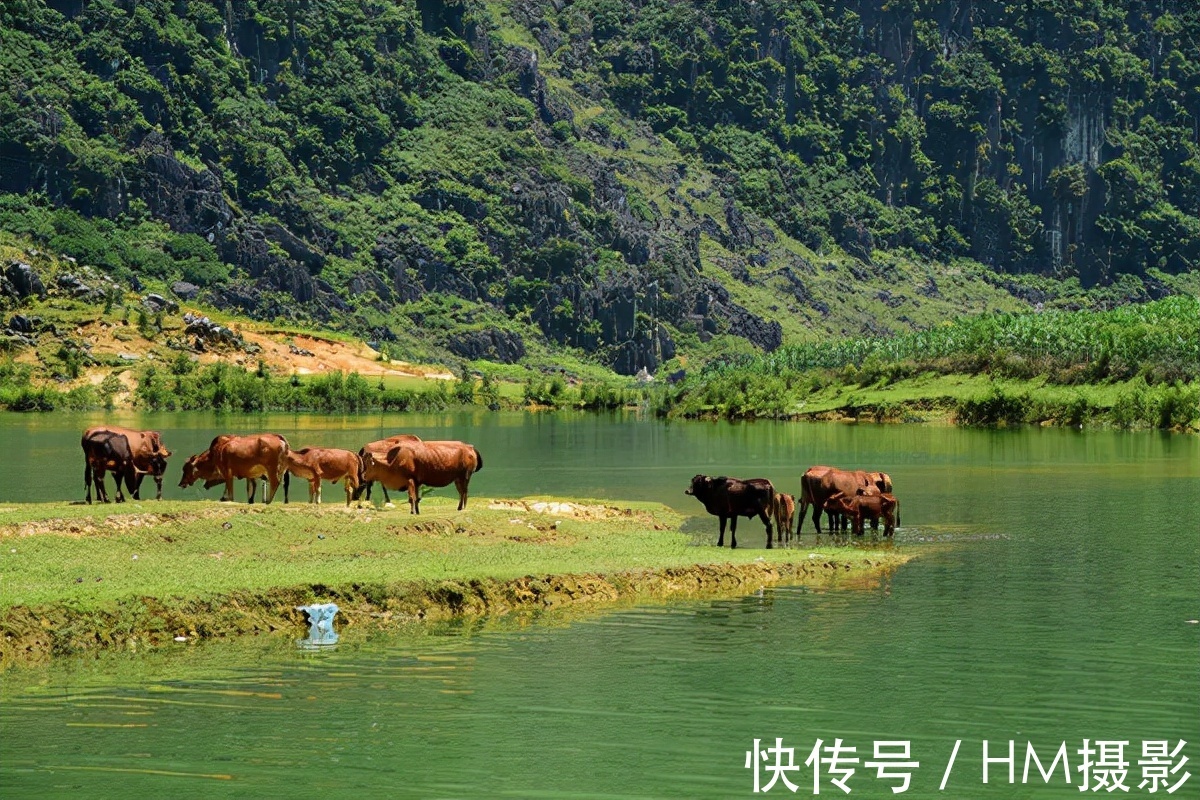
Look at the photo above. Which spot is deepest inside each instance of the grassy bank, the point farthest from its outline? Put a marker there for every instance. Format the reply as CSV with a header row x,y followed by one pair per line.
x,y
84,577
1134,366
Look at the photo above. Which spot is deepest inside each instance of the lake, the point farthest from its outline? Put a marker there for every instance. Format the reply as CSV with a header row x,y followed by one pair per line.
x,y
1049,602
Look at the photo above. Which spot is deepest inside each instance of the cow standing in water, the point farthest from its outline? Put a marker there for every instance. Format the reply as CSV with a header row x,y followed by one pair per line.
x,y
730,498
784,512
413,464
818,484
316,464
261,455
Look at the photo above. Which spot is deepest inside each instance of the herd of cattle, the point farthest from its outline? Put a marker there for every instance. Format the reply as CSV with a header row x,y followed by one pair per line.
x,y
406,462
403,462
847,497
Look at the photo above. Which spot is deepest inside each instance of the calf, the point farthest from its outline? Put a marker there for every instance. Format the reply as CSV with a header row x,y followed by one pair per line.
x,y
316,464
730,498
784,513
867,503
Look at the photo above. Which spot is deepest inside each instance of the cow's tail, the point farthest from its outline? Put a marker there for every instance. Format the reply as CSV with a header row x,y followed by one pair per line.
x,y
478,458
281,472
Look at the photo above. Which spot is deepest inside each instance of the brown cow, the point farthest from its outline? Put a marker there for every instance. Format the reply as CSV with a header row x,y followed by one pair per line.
x,y
730,498
146,448
785,514
820,483
262,455
866,503
316,464
413,464
106,451
373,457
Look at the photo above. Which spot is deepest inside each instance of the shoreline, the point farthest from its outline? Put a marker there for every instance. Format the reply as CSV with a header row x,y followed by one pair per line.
x,y
579,555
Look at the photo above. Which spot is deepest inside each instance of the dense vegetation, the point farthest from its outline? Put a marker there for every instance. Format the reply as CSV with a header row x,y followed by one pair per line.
x,y
1146,356
626,181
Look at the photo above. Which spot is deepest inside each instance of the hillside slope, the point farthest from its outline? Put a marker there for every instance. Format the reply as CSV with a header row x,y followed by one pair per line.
x,y
621,181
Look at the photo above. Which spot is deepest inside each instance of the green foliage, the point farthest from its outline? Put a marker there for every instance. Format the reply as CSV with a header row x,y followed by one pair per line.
x,y
1160,339
1157,343
416,141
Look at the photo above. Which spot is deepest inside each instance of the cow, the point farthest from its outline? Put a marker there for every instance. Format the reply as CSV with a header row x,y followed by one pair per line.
x,y
107,452
730,498
316,464
261,455
148,453
413,464
784,513
373,456
866,503
820,483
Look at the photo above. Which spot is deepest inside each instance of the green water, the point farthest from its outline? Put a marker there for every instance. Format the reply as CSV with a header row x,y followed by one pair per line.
x,y
1049,602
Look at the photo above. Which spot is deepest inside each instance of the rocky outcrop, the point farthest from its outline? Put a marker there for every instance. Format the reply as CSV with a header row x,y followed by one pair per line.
x,y
208,335
184,290
157,304
20,281
491,344
90,286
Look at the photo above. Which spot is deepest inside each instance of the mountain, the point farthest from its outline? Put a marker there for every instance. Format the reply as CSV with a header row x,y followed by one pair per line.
x,y
627,181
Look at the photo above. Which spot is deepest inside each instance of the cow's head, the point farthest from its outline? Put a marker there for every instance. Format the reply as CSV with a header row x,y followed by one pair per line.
x,y
699,486
881,481
198,467
839,503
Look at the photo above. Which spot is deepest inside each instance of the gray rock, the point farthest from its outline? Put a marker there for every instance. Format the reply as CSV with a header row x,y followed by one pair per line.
x,y
491,344
159,304
23,324
22,281
185,291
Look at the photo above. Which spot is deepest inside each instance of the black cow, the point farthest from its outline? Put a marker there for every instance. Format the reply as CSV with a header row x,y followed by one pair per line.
x,y
107,452
730,498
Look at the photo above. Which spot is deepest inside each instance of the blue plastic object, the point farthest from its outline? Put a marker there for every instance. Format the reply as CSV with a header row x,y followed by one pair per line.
x,y
320,624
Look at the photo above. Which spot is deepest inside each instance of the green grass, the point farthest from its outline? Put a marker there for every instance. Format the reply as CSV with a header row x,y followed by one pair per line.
x,y
88,557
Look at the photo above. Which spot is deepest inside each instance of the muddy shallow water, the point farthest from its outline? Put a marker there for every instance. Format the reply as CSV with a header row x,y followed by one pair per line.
x,y
1049,603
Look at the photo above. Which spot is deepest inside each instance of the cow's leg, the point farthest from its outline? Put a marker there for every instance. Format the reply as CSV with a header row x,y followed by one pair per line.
x,y
272,487
98,481
87,481
314,490
733,532
766,521
349,490
721,535
461,485
158,487
414,498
